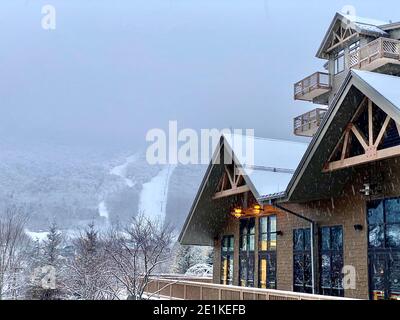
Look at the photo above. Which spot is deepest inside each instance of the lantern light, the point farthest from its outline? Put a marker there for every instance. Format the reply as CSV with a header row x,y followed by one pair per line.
x,y
237,212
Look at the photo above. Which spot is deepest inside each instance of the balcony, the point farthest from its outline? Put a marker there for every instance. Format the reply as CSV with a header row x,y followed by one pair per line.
x,y
312,87
181,289
376,54
308,123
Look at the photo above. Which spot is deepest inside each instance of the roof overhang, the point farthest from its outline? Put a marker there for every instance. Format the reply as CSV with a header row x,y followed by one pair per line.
x,y
370,30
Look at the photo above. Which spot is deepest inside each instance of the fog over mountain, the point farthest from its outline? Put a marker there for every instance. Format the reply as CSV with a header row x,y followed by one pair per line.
x,y
75,186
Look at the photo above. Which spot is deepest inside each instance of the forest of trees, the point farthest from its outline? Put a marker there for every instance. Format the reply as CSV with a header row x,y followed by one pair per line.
x,y
110,264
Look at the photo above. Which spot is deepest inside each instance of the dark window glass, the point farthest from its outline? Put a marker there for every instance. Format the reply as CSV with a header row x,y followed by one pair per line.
x,y
384,248
392,208
375,212
302,275
227,251
246,254
331,261
393,236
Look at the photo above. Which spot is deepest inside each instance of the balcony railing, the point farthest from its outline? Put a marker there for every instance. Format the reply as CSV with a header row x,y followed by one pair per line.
x,y
308,123
311,87
171,289
375,54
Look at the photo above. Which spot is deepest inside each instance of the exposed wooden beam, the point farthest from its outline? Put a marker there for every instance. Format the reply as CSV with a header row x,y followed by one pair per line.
x,y
360,137
361,159
342,41
370,124
345,143
231,192
382,132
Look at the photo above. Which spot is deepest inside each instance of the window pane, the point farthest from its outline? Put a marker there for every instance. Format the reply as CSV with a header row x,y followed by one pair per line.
x,y
325,238
251,242
394,278
272,221
307,239
341,64
325,271
263,273
252,225
375,212
271,272
337,265
393,236
392,207
298,269
307,270
264,225
272,242
298,239
337,238
376,237
263,242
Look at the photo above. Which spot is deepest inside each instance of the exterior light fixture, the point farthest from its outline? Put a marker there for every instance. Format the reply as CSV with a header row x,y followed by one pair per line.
x,y
279,233
358,227
256,209
237,213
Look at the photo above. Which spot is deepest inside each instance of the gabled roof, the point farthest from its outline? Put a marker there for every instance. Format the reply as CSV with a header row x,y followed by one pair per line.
x,y
383,90
366,26
273,165
267,173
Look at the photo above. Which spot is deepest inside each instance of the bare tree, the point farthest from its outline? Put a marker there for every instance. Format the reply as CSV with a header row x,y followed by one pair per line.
x,y
13,243
89,277
137,252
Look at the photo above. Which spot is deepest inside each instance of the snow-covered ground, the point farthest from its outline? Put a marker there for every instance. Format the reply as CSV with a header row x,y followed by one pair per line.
x,y
120,170
103,212
36,236
154,195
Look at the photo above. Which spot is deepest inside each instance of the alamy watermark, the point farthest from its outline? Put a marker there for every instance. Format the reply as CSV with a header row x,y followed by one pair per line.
x,y
188,146
48,21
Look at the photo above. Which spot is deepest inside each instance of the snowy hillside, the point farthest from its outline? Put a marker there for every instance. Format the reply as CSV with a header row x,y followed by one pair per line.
x,y
74,186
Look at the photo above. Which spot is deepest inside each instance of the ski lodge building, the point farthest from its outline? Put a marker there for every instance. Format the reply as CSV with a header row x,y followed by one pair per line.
x,y
303,217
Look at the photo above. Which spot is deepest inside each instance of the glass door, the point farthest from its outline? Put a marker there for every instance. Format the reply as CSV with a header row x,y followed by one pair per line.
x,y
384,248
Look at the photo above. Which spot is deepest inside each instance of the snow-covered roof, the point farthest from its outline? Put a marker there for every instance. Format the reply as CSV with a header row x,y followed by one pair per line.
x,y
387,85
367,26
362,20
267,167
271,166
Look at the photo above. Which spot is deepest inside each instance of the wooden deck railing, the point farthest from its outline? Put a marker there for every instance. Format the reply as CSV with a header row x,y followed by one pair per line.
x,y
307,124
178,289
318,80
377,49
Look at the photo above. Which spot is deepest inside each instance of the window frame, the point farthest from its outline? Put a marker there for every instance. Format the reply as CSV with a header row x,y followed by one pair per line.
x,y
247,255
338,56
332,291
227,255
304,253
269,254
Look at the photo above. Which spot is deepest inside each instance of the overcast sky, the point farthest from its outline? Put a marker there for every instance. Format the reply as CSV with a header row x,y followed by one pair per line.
x,y
112,70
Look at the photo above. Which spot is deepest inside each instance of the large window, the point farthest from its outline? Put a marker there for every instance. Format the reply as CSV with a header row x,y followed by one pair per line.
x,y
227,250
331,261
267,253
339,62
384,248
302,275
246,254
